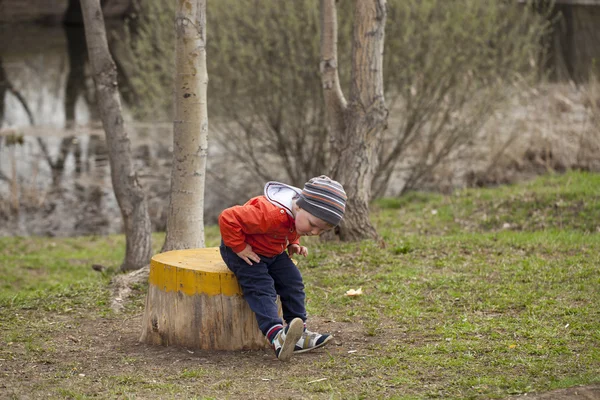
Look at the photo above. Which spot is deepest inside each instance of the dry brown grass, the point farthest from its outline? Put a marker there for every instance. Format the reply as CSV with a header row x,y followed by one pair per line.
x,y
552,128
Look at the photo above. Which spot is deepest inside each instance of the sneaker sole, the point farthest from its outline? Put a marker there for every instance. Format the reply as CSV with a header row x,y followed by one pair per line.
x,y
313,348
292,336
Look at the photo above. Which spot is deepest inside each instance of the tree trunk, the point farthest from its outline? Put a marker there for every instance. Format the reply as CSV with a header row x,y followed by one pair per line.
x,y
357,126
3,90
195,301
185,219
73,14
128,191
335,103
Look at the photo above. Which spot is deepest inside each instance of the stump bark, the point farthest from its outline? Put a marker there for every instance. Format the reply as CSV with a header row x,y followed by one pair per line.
x,y
195,301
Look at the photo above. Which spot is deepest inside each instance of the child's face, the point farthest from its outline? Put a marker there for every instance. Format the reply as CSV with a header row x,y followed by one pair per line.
x,y
309,225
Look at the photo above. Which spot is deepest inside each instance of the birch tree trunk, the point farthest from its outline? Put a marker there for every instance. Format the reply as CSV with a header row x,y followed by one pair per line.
x,y
128,191
185,219
356,125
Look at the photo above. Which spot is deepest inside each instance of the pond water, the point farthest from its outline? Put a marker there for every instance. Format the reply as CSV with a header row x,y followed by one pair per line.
x,y
54,171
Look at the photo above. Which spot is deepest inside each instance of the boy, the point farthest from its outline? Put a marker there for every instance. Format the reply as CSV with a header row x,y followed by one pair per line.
x,y
255,237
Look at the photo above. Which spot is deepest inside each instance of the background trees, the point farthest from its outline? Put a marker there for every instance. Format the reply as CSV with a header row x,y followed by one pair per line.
x,y
129,193
185,218
447,67
356,125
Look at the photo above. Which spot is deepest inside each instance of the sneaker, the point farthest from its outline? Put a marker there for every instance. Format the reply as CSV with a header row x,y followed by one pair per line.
x,y
283,343
310,341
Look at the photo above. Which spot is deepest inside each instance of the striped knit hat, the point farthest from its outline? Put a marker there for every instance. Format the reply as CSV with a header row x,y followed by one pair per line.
x,y
324,198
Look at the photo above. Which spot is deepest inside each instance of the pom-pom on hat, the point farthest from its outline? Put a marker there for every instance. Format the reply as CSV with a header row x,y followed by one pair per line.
x,y
324,198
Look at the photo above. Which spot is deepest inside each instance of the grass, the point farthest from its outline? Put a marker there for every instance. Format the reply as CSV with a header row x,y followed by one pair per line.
x,y
490,313
481,294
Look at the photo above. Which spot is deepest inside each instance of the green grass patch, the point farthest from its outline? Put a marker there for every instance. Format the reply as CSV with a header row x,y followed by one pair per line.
x,y
560,202
480,294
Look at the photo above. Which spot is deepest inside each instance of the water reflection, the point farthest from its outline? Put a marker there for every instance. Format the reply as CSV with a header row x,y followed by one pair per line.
x,y
54,172
61,185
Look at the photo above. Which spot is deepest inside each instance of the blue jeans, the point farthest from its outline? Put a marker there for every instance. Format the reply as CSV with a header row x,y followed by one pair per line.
x,y
262,282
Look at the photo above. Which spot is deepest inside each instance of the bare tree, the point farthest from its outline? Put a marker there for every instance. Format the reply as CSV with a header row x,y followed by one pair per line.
x,y
356,124
267,95
128,191
185,219
266,98
442,94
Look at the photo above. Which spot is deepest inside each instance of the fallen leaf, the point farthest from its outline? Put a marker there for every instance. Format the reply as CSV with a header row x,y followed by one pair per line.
x,y
353,292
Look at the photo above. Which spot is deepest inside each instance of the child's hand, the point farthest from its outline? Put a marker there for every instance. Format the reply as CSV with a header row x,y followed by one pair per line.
x,y
297,249
248,255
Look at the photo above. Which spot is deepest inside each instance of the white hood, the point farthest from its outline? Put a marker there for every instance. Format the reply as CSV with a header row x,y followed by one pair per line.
x,y
281,195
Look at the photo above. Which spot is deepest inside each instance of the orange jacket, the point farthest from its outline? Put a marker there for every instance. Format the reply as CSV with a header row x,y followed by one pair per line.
x,y
269,229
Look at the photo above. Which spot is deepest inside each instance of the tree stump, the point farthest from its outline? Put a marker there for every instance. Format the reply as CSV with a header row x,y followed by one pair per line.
x,y
195,301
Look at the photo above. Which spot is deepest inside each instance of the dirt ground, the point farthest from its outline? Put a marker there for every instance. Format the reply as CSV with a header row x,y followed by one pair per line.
x,y
576,393
102,358
88,353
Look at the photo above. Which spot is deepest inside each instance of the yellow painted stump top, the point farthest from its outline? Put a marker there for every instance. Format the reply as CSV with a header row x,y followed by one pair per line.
x,y
193,271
